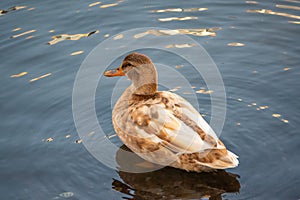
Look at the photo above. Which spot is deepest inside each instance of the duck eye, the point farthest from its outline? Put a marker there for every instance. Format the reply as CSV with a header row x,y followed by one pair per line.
x,y
127,65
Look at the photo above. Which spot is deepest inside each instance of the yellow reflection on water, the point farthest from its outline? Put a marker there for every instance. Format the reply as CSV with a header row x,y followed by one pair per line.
x,y
180,46
109,5
18,7
176,18
118,37
293,1
175,89
276,115
78,141
179,10
16,29
263,107
29,37
40,77
203,91
24,33
50,139
251,2
68,136
236,44
59,38
195,32
94,4
19,75
288,7
270,12
76,53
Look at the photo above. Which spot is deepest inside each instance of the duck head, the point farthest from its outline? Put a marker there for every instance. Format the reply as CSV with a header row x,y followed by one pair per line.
x,y
140,70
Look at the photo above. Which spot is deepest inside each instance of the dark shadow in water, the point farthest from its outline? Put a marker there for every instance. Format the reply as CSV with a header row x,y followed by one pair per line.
x,y
171,183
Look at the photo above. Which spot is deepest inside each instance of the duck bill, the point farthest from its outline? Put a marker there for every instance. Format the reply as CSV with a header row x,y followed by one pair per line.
x,y
114,72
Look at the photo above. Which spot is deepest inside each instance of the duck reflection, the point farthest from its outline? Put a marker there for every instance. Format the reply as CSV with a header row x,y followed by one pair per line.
x,y
171,183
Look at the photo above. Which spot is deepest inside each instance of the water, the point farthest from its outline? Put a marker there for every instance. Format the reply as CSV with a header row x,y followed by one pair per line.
x,y
263,72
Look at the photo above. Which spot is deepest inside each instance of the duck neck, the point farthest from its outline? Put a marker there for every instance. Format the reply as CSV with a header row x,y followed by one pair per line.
x,y
144,82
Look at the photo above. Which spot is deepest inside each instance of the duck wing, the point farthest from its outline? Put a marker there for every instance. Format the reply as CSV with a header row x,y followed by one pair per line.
x,y
170,121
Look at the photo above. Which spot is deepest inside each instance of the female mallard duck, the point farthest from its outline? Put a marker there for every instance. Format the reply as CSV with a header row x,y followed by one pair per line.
x,y
162,127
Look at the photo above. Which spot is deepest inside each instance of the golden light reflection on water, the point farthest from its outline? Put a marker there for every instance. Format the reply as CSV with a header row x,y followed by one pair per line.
x,y
293,1
236,44
24,33
176,18
94,4
118,37
264,108
78,141
270,12
62,37
40,77
179,10
180,46
195,32
288,7
276,115
18,7
29,37
204,91
109,5
76,53
175,89
19,75
50,139
16,29
91,133
251,2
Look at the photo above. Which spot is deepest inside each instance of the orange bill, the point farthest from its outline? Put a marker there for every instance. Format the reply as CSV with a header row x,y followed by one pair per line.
x,y
114,72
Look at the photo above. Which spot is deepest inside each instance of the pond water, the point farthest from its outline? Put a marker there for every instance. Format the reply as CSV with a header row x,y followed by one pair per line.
x,y
255,45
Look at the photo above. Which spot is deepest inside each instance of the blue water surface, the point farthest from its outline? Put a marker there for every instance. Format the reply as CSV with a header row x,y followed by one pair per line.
x,y
261,80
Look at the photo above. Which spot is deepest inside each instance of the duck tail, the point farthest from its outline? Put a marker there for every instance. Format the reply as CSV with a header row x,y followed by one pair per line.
x,y
231,158
219,159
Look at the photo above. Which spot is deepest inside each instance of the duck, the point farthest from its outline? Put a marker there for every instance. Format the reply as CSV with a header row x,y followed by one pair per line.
x,y
162,127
